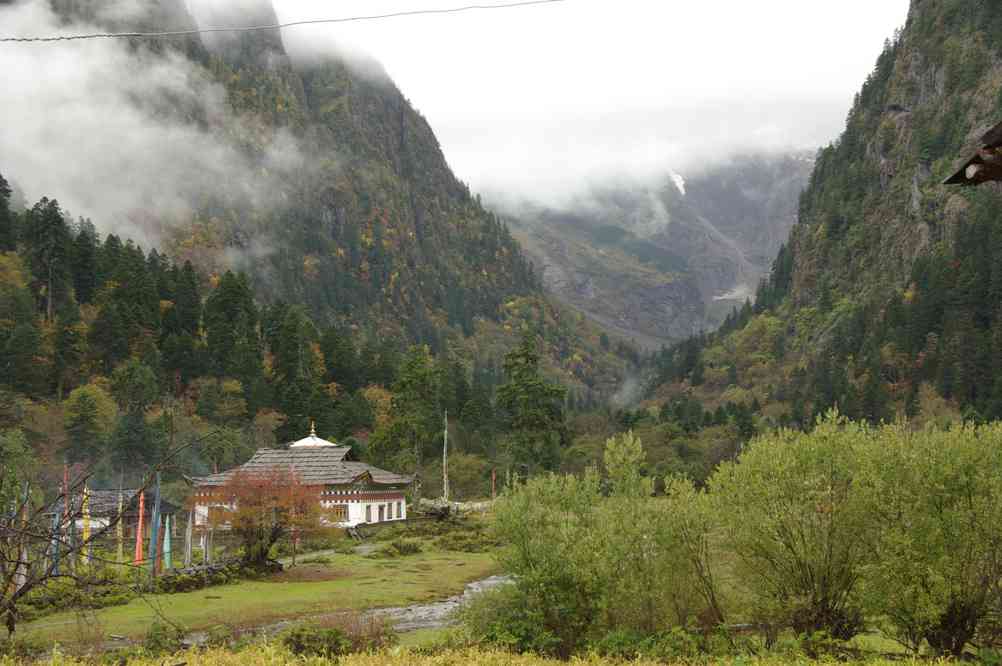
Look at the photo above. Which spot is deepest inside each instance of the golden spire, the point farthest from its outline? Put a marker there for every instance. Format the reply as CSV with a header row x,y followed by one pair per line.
x,y
313,428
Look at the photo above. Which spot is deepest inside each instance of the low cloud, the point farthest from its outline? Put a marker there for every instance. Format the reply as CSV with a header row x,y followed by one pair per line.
x,y
124,135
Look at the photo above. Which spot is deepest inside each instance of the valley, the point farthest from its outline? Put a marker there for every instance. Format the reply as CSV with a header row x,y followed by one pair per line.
x,y
656,264
721,382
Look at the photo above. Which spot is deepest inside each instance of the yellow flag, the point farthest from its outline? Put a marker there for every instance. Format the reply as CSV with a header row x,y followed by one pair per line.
x,y
85,511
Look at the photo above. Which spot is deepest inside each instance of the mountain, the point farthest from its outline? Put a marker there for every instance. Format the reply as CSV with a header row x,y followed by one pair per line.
x,y
886,298
660,262
339,196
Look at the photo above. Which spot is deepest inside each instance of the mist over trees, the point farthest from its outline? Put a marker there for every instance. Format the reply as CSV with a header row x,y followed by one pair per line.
x,y
107,349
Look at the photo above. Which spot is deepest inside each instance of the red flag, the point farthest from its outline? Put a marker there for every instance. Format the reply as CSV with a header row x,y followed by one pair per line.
x,y
139,530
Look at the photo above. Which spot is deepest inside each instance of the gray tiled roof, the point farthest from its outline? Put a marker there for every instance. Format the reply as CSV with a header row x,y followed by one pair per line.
x,y
103,503
319,466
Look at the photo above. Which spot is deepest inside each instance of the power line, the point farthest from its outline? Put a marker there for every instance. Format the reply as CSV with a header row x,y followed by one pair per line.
x,y
350,19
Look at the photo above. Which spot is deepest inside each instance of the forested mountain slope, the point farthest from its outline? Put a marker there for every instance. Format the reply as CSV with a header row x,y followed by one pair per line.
x,y
329,267
339,197
887,297
658,263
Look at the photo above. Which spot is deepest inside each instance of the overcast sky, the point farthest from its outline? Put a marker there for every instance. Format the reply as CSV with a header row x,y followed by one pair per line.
x,y
539,99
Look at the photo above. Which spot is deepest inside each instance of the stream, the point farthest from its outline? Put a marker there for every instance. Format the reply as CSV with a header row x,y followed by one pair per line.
x,y
403,618
436,615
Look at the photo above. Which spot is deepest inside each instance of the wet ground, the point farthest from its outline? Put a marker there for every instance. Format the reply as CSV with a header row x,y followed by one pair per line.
x,y
404,618
440,614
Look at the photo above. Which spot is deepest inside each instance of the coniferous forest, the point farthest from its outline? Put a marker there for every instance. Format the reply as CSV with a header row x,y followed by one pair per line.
x,y
109,350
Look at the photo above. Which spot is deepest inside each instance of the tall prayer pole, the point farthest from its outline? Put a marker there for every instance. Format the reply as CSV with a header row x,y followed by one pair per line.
x,y
168,555
138,559
119,528
445,459
21,572
56,539
85,534
154,549
188,534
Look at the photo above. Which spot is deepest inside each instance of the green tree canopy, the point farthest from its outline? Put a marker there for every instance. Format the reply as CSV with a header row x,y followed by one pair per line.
x,y
532,409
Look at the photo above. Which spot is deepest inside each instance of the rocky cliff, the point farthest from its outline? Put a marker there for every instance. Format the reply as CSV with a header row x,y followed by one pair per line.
x,y
664,261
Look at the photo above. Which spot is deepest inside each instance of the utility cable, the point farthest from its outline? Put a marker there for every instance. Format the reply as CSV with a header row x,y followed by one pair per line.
x,y
260,28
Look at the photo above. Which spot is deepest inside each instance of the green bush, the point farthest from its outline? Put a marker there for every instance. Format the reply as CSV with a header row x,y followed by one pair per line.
x,y
316,559
506,618
163,638
398,548
20,648
675,645
220,635
311,640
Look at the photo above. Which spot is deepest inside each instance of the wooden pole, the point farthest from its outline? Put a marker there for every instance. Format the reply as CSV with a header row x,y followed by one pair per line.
x,y
445,459
188,534
119,527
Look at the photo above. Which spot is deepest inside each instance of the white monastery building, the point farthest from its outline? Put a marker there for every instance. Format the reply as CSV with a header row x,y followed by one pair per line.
x,y
353,492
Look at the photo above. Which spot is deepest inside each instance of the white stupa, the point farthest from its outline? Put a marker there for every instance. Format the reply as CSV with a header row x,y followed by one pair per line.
x,y
311,441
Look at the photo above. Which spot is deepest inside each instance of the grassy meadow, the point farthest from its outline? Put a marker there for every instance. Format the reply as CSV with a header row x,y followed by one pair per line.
x,y
348,582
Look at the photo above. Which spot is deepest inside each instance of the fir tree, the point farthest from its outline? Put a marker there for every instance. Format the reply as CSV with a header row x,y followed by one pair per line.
x,y
8,237
70,349
188,301
532,408
47,241
84,255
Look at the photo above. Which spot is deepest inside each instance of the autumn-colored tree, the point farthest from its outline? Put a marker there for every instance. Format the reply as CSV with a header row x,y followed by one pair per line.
x,y
261,507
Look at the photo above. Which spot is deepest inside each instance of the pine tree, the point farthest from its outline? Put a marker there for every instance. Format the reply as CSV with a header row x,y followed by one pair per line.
x,y
47,241
532,408
134,443
109,337
229,313
874,398
83,431
188,301
8,237
340,360
137,294
84,256
21,361
71,347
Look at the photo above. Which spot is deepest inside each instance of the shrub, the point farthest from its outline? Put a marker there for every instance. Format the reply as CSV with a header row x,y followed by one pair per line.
x,y
311,640
163,638
220,635
20,648
505,618
317,559
399,548
341,634
938,569
366,633
800,525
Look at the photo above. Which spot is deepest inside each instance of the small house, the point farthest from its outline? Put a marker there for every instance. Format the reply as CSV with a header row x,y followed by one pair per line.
x,y
351,492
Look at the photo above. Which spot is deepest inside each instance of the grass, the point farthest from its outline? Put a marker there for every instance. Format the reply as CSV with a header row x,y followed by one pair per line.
x,y
351,583
273,655
420,638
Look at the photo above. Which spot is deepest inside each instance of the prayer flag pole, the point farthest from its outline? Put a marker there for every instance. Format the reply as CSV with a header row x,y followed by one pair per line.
x,y
85,534
168,556
138,559
445,459
154,549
